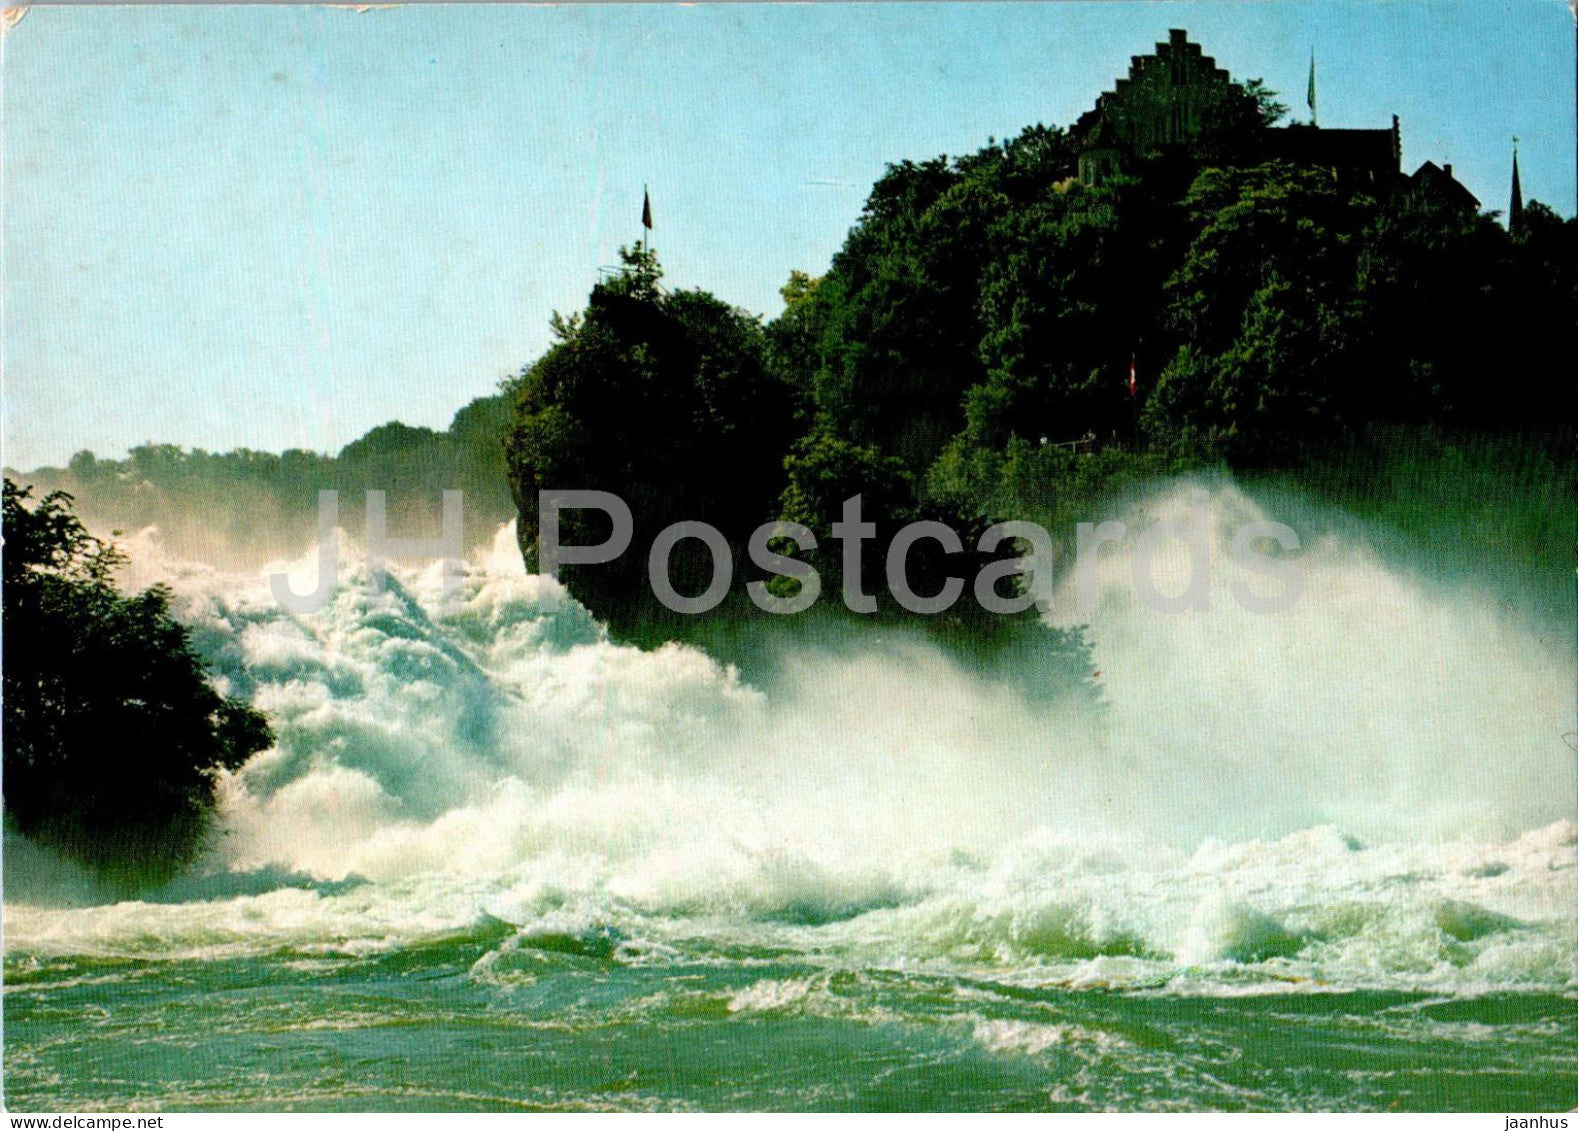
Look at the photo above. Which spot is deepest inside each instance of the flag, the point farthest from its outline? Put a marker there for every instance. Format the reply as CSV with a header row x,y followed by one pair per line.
x,y
646,209
1133,371
1310,97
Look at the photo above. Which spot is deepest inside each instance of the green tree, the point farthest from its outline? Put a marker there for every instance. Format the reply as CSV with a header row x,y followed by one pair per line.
x,y
1451,301
1261,306
1269,109
1070,296
823,471
663,398
794,342
900,307
113,731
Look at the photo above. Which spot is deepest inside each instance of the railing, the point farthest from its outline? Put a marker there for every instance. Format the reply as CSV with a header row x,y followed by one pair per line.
x,y
1082,446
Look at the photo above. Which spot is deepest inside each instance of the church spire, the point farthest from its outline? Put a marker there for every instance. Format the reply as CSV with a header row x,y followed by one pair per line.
x,y
1515,211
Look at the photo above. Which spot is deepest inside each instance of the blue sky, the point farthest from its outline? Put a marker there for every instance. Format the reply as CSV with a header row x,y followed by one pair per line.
x,y
279,226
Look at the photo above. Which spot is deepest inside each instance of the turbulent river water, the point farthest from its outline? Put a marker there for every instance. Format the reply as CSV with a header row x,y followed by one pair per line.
x,y
1324,858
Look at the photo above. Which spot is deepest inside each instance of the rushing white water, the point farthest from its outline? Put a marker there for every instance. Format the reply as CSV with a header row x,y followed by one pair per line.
x,y
1368,789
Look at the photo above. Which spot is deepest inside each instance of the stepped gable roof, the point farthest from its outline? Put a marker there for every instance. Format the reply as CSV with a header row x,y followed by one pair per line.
x,y
1173,97
1177,61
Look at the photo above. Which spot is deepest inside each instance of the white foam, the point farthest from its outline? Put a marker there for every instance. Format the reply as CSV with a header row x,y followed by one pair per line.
x,y
1368,790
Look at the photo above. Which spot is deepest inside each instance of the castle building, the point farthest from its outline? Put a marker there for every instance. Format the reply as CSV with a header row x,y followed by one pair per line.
x,y
1177,103
1174,100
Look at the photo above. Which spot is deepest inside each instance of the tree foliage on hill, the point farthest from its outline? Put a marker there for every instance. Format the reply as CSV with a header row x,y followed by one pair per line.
x,y
113,731
967,354
1258,307
664,398
260,505
1258,304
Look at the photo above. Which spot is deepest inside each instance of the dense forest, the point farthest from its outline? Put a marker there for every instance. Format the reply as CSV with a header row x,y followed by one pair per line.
x,y
250,507
998,340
